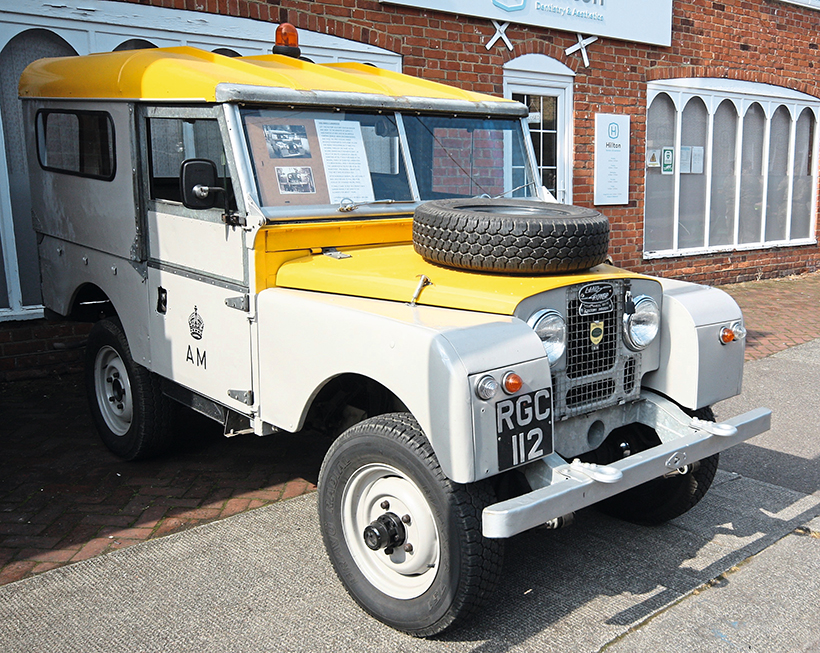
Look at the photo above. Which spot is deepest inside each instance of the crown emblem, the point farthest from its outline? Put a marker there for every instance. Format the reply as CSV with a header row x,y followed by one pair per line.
x,y
196,324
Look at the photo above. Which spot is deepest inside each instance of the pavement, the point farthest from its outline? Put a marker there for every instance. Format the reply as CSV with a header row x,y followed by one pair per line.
x,y
224,564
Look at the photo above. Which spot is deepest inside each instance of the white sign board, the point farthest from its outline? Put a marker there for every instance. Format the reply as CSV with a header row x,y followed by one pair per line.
x,y
346,169
640,21
611,159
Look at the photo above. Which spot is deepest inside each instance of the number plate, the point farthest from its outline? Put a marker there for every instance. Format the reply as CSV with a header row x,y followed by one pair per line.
x,y
524,428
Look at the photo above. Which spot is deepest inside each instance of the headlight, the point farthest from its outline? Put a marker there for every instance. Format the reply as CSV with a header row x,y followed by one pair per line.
x,y
642,326
550,327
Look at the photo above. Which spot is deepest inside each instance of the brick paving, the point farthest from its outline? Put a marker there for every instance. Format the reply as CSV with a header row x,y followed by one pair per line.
x,y
779,313
65,498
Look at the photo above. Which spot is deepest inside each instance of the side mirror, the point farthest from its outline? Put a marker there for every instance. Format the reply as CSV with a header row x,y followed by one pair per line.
x,y
197,181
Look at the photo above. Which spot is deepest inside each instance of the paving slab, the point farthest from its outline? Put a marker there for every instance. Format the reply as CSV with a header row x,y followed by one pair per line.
x,y
770,603
260,581
789,453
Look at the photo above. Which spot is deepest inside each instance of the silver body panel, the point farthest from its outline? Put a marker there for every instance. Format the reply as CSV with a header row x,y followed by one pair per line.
x,y
425,356
695,368
102,215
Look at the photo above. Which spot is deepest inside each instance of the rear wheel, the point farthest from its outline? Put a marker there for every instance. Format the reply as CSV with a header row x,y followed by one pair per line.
x,y
660,499
404,540
129,410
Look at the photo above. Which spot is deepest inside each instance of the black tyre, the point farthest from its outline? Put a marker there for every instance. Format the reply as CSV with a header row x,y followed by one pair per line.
x,y
431,565
661,499
130,412
510,235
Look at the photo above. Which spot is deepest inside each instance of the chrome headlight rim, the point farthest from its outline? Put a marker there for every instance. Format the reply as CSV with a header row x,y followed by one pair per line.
x,y
554,349
642,303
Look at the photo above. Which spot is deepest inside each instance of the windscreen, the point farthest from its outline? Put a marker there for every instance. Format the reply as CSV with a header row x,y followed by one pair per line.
x,y
465,157
337,158
321,157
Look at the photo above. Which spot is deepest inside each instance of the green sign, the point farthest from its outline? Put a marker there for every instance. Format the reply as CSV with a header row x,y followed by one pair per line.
x,y
667,160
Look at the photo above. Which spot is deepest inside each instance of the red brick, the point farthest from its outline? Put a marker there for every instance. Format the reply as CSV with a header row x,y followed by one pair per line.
x,y
16,571
92,548
40,555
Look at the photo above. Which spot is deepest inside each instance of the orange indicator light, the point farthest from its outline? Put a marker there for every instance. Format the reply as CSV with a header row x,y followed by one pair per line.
x,y
512,383
726,335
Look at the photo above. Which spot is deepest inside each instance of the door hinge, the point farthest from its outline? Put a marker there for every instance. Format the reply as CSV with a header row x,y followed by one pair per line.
x,y
241,303
245,396
234,219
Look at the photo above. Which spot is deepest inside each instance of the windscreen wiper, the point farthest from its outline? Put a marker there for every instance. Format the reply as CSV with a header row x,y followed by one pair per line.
x,y
347,205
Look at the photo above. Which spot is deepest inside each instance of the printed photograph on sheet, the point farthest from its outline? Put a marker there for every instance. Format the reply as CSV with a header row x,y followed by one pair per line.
x,y
295,180
287,141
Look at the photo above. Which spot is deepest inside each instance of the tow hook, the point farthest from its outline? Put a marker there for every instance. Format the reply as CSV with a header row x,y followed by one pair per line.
x,y
559,522
386,532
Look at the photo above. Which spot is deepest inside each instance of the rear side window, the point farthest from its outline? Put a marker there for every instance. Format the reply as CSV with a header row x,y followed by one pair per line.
x,y
76,143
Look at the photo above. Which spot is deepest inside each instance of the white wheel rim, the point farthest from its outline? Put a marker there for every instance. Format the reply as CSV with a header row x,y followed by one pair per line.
x,y
401,574
113,389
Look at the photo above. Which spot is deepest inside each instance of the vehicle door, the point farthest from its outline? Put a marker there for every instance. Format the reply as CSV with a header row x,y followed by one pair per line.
x,y
197,262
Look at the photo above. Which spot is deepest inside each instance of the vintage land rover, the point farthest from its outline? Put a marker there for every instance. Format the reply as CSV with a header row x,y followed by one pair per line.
x,y
280,245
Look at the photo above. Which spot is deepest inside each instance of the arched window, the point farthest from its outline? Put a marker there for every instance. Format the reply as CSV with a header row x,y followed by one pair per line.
x,y
134,44
805,164
18,239
729,165
692,196
724,175
660,184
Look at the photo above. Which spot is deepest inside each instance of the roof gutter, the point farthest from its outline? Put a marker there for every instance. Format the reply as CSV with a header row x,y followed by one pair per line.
x,y
242,93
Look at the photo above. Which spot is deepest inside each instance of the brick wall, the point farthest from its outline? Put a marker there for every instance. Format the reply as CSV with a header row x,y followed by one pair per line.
x,y
38,348
762,41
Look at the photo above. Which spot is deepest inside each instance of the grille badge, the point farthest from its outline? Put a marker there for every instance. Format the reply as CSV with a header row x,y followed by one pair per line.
x,y
596,332
596,298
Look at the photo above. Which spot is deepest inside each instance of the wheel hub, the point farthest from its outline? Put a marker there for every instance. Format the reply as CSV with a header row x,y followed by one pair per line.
x,y
113,390
386,532
390,531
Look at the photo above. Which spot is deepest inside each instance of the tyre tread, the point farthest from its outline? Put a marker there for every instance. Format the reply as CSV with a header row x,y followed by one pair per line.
x,y
564,239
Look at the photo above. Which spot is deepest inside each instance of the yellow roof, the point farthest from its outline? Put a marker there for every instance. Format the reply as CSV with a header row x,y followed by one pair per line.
x,y
186,73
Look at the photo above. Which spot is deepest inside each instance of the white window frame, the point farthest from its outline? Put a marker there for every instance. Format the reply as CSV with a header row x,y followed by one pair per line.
x,y
811,4
538,74
713,92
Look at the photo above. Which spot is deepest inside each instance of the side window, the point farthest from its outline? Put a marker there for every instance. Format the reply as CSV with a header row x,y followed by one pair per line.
x,y
77,143
173,140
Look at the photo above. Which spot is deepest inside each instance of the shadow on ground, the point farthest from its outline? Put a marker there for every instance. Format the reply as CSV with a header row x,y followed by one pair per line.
x,y
64,497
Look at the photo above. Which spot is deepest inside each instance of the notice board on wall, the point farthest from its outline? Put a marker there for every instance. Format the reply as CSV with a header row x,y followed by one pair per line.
x,y
611,159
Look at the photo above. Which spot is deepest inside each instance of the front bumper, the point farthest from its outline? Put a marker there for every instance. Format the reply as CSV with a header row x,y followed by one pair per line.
x,y
561,488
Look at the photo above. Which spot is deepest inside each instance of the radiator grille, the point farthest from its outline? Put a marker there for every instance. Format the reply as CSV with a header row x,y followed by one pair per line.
x,y
629,375
596,375
584,357
590,393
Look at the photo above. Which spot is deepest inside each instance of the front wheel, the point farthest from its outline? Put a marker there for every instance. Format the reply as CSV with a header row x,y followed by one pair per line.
x,y
130,412
404,540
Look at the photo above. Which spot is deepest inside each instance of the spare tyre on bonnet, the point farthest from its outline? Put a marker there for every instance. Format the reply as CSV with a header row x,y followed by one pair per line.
x,y
510,235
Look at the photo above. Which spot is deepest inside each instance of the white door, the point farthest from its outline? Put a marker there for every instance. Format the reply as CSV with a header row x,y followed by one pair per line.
x,y
197,263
